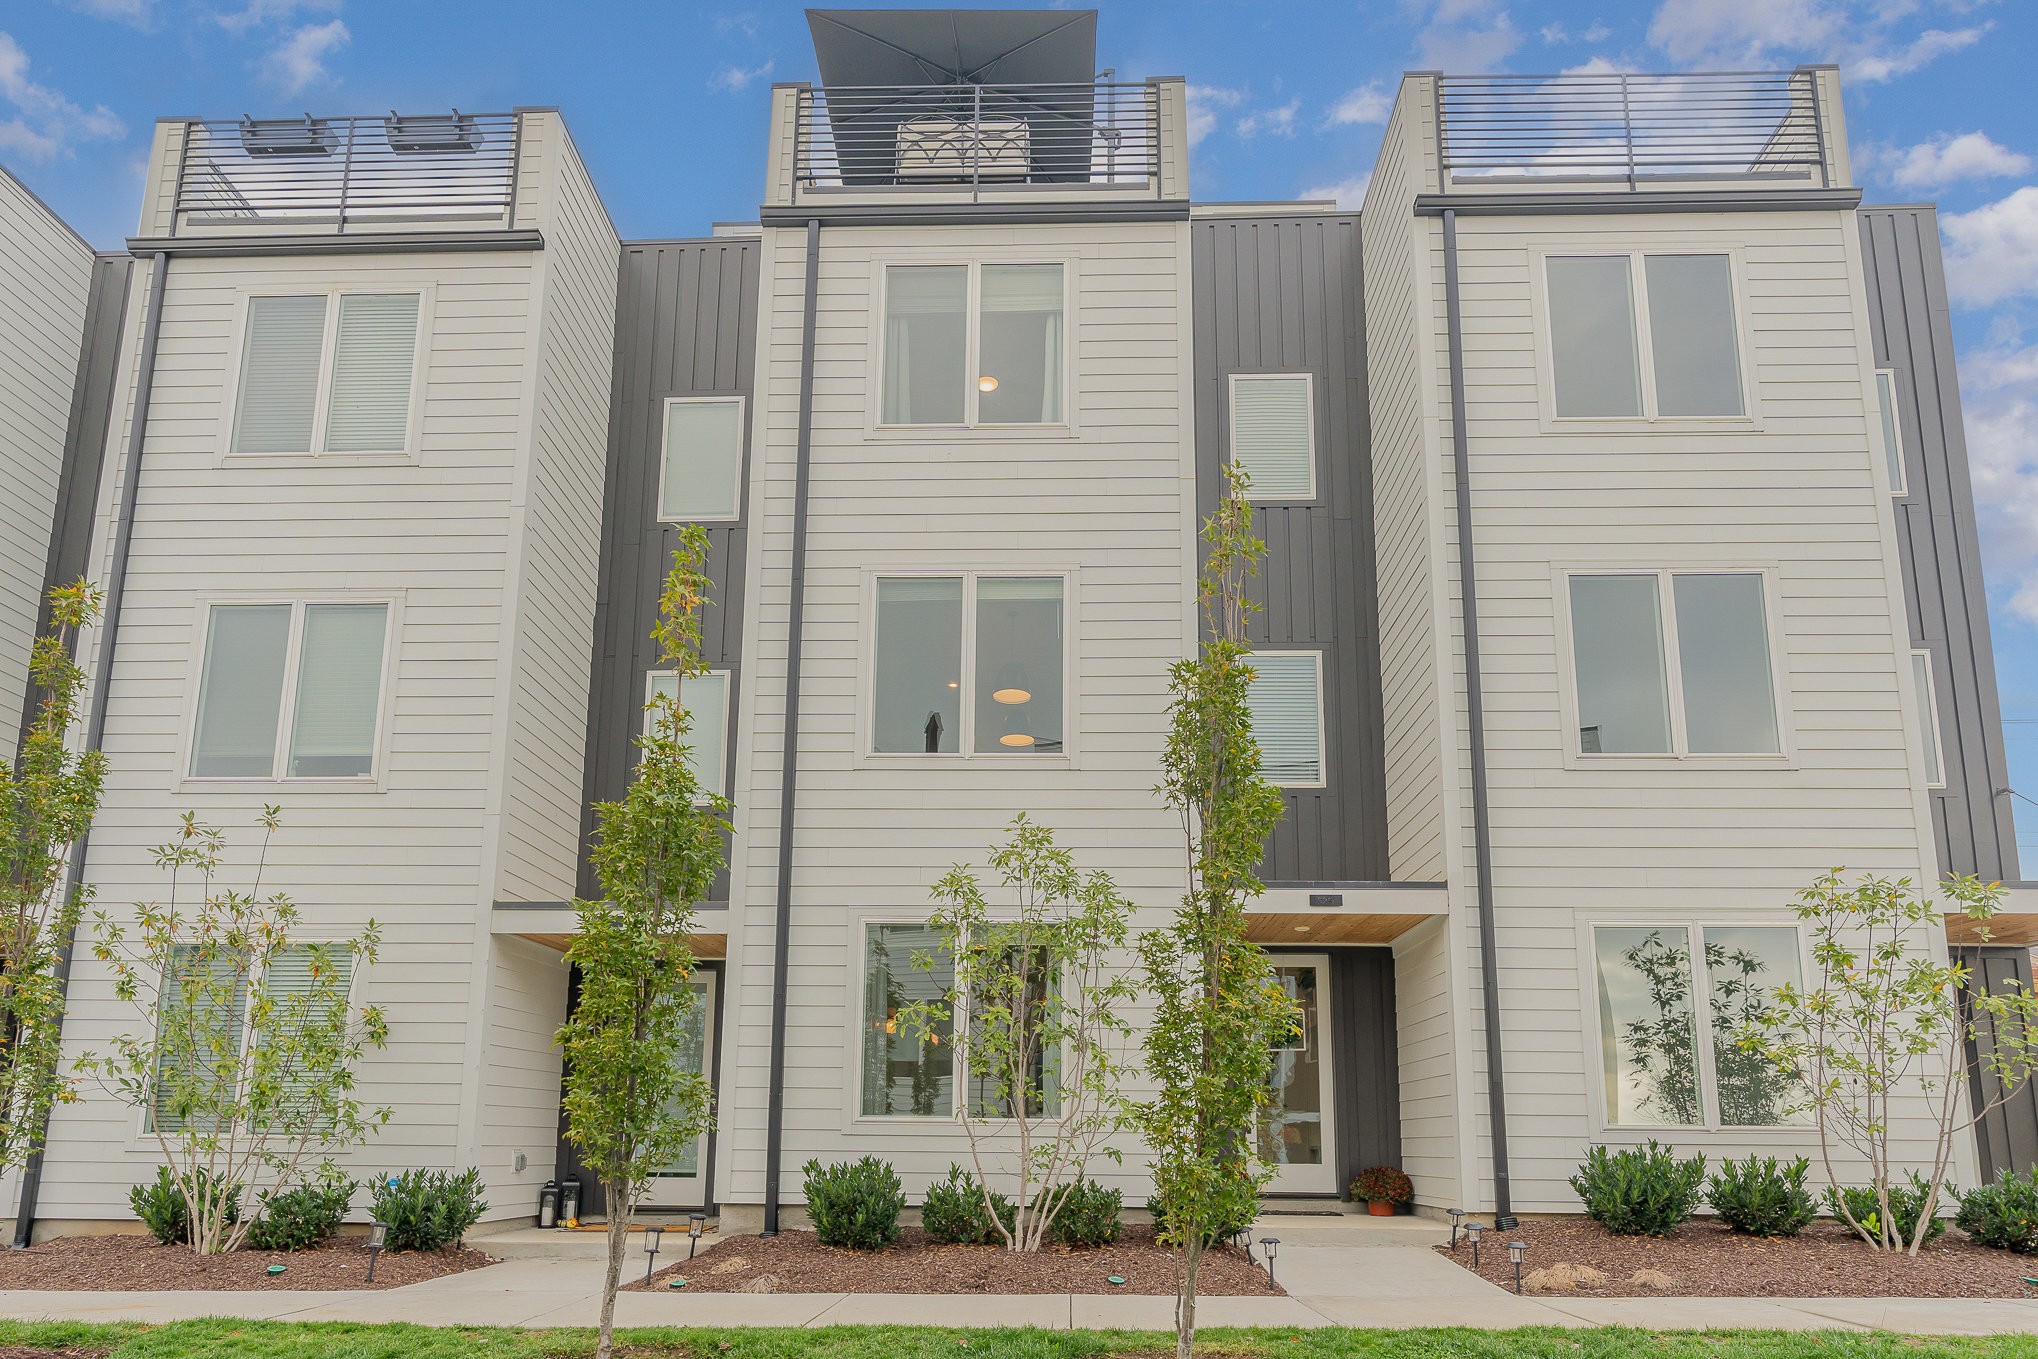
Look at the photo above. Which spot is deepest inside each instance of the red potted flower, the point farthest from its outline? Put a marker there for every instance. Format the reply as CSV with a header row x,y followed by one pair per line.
x,y
1384,1190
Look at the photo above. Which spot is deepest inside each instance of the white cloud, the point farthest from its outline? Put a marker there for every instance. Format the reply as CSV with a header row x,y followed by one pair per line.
x,y
734,78
299,61
1992,252
1370,103
45,122
1946,159
1274,122
1869,64
258,12
1741,31
1205,102
136,12
1459,48
1557,34
744,23
1349,193
1597,66
1999,390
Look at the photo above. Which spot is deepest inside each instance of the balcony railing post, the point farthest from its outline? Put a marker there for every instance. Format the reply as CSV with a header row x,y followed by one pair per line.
x,y
1627,122
976,147
346,174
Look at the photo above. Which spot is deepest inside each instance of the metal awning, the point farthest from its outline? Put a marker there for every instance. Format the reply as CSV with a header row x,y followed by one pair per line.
x,y
917,47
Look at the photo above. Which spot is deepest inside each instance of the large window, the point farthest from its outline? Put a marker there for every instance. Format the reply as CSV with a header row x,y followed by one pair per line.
x,y
1285,700
973,344
1668,1060
327,373
1273,435
290,690
1644,335
700,472
969,663
1704,685
906,1072
706,701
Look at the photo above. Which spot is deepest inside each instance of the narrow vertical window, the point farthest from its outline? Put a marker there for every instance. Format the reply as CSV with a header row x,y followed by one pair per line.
x,y
1617,659
1021,655
1723,662
917,675
1592,336
339,690
240,694
1273,435
926,344
281,355
906,1073
700,477
1928,718
706,701
1019,343
1691,335
1648,1029
1286,704
1892,440
374,355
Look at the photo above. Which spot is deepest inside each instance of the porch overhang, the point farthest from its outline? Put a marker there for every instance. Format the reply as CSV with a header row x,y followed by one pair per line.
x,y
2015,924
554,923
1342,912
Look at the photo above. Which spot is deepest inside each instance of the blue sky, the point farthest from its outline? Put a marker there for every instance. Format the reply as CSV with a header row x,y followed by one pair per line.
x,y
667,103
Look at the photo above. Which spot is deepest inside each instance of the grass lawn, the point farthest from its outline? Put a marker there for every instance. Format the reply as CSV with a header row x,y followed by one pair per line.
x,y
229,1339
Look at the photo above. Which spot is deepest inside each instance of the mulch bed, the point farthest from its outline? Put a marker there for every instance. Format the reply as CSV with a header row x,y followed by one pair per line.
x,y
1702,1259
138,1264
794,1262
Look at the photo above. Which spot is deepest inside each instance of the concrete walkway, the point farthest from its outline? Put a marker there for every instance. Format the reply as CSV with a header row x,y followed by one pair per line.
x,y
1330,1282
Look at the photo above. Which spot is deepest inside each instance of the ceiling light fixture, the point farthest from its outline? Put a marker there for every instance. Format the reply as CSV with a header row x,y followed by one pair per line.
x,y
987,383
1011,696
1017,738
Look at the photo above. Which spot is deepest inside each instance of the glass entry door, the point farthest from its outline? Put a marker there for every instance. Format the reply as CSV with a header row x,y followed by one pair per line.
x,y
683,1183
1298,1135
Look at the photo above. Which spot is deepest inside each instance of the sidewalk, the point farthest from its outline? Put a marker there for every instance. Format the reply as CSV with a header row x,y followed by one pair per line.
x,y
1330,1285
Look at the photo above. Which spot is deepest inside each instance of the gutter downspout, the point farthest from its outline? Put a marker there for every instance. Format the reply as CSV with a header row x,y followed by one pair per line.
x,y
95,726
789,767
1475,713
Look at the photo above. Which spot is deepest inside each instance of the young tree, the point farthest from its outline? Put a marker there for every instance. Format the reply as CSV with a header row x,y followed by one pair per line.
x,y
1884,1022
245,1064
1218,1009
47,799
631,1104
1032,1016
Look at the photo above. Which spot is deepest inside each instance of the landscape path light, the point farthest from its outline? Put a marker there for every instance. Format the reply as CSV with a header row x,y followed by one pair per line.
x,y
1515,1251
696,1223
653,1236
1457,1217
378,1236
1272,1246
1472,1230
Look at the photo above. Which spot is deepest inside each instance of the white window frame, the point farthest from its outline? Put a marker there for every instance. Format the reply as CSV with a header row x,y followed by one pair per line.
x,y
1890,432
1231,431
1708,1075
943,1122
1322,728
742,405
972,328
286,715
727,677
966,738
321,409
1928,715
1645,355
1680,753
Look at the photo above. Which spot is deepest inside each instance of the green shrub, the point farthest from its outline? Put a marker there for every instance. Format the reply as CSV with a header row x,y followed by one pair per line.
x,y
428,1209
303,1218
161,1207
2003,1214
954,1213
1218,1232
1639,1191
1906,1201
1762,1198
856,1204
1089,1215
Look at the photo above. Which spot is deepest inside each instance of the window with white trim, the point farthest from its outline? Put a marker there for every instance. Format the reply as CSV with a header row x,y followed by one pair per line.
x,y
706,701
290,691
327,373
1285,701
1892,439
1704,685
970,663
1928,718
973,344
701,468
1666,1060
1644,335
1273,434
906,1072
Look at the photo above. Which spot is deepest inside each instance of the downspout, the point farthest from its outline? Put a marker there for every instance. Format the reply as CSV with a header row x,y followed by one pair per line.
x,y
95,725
789,766
1475,716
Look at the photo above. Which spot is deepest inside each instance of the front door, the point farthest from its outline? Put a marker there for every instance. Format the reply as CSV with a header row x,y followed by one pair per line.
x,y
1298,1135
683,1183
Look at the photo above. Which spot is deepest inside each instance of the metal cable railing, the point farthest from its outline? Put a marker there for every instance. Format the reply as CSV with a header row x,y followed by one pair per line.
x,y
977,136
350,173
1632,128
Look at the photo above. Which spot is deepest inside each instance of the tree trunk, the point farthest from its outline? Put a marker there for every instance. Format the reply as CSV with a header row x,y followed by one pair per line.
x,y
1185,1299
618,1195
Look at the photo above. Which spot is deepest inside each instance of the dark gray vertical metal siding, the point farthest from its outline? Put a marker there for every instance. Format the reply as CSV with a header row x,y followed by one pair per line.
x,y
1367,1084
686,325
1283,294
2007,1135
1937,541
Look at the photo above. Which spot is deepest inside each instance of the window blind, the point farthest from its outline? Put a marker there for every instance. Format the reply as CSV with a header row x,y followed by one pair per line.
x,y
339,689
1271,436
241,693
1285,701
195,1053
292,990
703,460
279,374
373,360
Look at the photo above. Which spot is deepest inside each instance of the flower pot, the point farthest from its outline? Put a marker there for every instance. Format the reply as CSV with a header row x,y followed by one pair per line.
x,y
1380,1208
